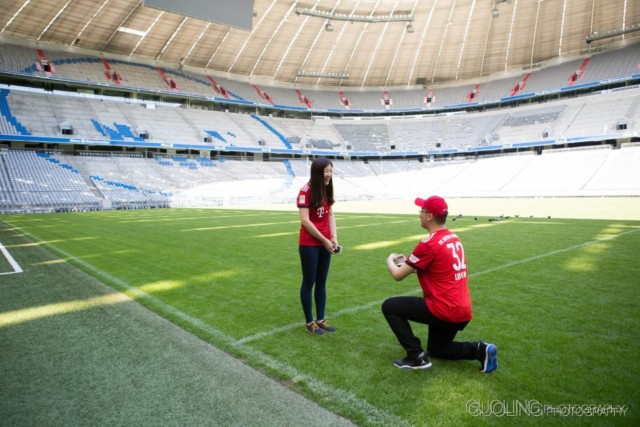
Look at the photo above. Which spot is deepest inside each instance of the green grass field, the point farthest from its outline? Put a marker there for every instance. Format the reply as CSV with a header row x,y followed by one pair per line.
x,y
558,297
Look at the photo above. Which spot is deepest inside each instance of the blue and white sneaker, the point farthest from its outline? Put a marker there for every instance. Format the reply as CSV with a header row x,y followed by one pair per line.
x,y
490,362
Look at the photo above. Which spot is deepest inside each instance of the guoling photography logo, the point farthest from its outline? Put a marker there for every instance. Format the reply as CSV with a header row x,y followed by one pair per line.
x,y
534,408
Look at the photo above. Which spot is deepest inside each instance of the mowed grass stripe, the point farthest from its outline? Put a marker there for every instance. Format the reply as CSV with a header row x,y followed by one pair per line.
x,y
559,318
285,328
369,413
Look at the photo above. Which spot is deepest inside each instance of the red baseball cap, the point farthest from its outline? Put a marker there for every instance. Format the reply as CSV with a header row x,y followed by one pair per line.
x,y
434,205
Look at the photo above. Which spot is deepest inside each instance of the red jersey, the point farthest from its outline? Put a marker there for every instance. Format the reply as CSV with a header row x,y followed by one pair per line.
x,y
442,273
319,217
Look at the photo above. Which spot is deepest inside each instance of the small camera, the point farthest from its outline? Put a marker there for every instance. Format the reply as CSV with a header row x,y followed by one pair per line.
x,y
337,249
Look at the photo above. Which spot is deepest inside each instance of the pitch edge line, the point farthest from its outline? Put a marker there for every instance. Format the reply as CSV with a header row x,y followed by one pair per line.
x,y
417,291
14,264
371,412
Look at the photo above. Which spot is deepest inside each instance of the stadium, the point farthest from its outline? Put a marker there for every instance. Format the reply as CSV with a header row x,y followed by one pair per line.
x,y
151,153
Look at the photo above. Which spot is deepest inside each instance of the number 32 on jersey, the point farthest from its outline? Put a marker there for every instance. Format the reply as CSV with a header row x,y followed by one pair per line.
x,y
459,265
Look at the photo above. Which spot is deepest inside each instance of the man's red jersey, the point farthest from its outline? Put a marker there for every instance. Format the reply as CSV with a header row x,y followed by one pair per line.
x,y
442,272
319,217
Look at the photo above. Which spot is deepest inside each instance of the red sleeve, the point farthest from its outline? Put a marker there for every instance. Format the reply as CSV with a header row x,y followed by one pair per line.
x,y
302,201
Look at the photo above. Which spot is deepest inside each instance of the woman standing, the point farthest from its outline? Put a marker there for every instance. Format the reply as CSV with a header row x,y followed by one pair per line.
x,y
318,240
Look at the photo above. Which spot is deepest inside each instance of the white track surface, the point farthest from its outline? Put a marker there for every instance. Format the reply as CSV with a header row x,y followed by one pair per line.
x,y
621,208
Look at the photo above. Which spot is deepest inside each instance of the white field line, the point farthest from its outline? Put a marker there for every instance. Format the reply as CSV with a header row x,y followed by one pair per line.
x,y
375,415
355,309
16,267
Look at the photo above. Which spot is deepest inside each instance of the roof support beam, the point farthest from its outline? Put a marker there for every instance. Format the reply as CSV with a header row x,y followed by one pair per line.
x,y
315,41
266,46
353,51
146,33
442,40
185,19
464,38
89,22
291,43
15,15
375,50
253,31
535,32
398,48
117,28
513,21
53,20
184,58
416,55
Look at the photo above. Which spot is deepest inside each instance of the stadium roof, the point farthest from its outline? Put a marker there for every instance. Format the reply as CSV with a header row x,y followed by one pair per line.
x,y
376,43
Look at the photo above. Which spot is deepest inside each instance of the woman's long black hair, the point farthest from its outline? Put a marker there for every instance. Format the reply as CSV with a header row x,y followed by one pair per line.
x,y
319,191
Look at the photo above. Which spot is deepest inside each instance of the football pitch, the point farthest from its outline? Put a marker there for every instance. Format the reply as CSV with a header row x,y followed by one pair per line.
x,y
559,298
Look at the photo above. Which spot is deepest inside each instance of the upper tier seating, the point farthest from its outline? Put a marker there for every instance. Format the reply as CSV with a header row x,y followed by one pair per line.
x,y
42,115
79,67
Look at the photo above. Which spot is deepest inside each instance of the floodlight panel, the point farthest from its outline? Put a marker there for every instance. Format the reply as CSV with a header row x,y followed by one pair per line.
x,y
236,13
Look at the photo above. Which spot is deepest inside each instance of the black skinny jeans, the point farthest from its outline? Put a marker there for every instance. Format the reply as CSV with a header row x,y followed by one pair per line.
x,y
440,344
315,262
